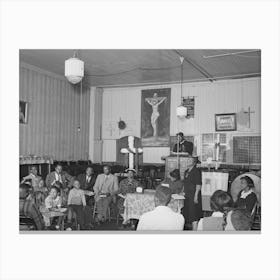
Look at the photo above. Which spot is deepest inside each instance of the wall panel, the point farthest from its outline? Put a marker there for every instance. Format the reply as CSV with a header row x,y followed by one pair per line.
x,y
53,117
228,96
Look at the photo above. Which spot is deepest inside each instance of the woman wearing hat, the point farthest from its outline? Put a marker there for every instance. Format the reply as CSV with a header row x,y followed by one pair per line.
x,y
127,185
192,210
174,182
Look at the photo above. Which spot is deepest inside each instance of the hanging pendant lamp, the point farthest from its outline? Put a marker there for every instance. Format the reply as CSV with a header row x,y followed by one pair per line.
x,y
181,110
74,69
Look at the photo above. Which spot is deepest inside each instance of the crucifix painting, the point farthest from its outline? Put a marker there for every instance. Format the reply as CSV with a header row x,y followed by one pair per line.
x,y
155,117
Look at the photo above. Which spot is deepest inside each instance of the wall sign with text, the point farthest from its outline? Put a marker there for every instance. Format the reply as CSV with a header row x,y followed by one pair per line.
x,y
225,122
189,103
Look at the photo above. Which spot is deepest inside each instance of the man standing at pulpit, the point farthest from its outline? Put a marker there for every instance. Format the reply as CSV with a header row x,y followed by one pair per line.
x,y
184,145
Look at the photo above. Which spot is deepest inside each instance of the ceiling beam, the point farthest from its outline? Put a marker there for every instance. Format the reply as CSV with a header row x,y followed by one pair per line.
x,y
196,66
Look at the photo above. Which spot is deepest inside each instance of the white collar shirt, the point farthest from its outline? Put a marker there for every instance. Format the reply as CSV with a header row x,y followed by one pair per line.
x,y
161,218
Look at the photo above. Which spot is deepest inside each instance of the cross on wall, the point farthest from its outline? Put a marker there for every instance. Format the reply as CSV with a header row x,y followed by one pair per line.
x,y
249,112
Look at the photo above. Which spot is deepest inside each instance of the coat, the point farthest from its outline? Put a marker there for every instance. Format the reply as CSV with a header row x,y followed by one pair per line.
x,y
67,180
105,185
84,184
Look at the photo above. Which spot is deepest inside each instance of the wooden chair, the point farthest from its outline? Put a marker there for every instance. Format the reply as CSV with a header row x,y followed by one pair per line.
x,y
26,223
256,217
95,212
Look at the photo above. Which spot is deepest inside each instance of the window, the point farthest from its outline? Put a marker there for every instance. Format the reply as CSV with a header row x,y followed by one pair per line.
x,y
247,149
213,143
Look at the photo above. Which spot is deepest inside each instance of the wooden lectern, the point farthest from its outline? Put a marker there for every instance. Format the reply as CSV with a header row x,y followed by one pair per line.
x,y
177,161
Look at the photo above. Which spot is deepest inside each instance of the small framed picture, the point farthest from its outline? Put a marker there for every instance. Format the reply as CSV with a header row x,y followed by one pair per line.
x,y
225,122
23,111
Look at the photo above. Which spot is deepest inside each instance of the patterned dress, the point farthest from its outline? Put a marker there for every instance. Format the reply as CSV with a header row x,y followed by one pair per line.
x,y
126,186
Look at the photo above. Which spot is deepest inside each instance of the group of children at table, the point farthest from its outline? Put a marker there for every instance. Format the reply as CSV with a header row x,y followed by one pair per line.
x,y
72,204
77,211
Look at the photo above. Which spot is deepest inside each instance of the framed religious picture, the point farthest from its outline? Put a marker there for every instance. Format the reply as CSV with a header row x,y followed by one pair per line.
x,y
23,112
225,122
155,117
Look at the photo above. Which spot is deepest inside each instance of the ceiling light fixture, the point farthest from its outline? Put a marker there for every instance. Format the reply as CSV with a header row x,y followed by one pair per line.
x,y
74,69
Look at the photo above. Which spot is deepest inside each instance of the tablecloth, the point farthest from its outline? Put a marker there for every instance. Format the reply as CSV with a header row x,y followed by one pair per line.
x,y
136,204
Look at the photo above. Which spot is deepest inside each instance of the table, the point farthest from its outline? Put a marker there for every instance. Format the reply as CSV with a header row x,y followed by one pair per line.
x,y
47,214
136,204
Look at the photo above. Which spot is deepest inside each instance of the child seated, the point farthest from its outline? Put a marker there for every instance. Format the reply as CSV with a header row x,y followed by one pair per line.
x,y
63,192
52,203
77,205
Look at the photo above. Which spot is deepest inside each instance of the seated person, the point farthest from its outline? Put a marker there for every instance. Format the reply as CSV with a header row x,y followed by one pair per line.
x,y
53,200
52,203
63,192
77,205
184,145
246,198
33,176
220,203
162,217
105,189
41,187
238,219
174,182
39,199
127,185
59,175
28,208
87,181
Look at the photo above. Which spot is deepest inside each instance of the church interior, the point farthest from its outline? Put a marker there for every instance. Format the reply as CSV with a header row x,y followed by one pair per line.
x,y
146,119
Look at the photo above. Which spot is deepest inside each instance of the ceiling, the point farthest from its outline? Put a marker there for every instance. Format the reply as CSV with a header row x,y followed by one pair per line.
x,y
122,67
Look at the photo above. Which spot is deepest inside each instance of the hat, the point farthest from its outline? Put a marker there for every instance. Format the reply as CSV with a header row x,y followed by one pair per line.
x,y
130,169
180,134
196,158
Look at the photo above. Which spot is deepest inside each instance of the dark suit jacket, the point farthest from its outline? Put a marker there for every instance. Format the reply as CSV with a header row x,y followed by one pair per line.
x,y
84,184
185,147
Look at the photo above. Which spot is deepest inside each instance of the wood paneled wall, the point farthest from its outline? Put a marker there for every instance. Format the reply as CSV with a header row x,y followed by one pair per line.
x,y
228,96
53,115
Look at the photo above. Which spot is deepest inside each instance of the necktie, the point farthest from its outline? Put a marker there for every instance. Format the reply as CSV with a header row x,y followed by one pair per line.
x,y
59,178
